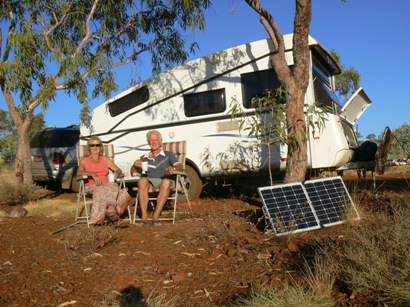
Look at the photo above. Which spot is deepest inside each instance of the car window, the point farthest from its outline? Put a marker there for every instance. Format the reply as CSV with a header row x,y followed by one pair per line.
x,y
55,138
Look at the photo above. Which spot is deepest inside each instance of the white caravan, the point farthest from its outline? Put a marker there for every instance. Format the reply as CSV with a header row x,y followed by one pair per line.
x,y
191,102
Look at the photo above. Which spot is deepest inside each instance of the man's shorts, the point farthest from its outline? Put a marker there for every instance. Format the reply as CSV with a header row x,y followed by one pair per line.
x,y
156,182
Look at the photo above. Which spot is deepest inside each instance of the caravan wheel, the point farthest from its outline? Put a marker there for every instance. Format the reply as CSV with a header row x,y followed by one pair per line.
x,y
193,184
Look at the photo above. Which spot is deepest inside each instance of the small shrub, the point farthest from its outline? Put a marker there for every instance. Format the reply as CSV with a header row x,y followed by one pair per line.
x,y
84,241
13,194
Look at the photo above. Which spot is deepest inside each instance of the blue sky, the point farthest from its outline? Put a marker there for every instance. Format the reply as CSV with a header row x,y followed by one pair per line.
x,y
371,35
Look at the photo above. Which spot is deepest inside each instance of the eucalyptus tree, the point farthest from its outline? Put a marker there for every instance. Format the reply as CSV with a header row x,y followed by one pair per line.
x,y
75,45
294,80
348,81
400,147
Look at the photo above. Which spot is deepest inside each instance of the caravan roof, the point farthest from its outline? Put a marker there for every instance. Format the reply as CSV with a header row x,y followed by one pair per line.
x,y
204,69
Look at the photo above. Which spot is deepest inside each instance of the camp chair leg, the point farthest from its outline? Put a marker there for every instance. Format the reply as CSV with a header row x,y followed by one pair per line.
x,y
82,204
182,179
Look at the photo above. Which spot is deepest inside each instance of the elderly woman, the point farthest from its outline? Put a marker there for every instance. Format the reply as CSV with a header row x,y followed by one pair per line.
x,y
109,201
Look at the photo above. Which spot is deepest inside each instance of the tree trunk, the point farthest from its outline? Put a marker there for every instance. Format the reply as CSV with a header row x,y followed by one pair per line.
x,y
22,170
23,123
297,156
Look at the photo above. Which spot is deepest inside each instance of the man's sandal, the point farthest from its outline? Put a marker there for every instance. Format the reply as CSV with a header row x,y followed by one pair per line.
x,y
156,222
141,223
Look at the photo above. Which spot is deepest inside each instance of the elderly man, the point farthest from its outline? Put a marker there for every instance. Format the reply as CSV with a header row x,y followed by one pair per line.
x,y
161,167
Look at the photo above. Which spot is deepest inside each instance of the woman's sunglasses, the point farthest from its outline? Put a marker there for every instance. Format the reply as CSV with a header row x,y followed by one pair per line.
x,y
95,145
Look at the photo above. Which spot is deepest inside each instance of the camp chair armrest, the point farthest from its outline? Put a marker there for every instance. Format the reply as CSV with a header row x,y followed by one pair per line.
x,y
136,174
82,177
180,173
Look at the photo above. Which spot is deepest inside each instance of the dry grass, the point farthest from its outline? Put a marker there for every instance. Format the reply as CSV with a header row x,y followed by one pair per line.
x,y
374,258
7,173
3,215
289,295
401,169
132,297
52,208
320,277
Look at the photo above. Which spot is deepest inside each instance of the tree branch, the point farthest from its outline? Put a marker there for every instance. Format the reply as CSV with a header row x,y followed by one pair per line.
x,y
46,34
278,60
268,22
11,105
88,32
11,30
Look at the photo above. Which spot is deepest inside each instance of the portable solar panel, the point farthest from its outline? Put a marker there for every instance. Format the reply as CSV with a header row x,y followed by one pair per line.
x,y
288,209
330,199
298,207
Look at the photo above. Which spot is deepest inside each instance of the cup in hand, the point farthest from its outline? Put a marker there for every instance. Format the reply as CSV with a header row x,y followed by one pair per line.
x,y
111,177
144,166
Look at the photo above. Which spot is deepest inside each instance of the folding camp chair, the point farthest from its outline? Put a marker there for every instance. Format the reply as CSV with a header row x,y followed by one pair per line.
x,y
179,149
84,199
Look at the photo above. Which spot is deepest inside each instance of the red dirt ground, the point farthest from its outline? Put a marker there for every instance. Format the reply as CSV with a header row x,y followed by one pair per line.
x,y
208,259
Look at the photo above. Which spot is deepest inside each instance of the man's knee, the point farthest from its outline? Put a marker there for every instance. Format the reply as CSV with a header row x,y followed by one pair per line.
x,y
143,183
166,184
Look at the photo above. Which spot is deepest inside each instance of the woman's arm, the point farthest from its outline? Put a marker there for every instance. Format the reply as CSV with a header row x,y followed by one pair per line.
x,y
113,167
81,169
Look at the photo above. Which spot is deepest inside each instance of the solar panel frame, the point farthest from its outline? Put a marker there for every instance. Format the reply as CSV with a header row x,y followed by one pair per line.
x,y
288,208
330,199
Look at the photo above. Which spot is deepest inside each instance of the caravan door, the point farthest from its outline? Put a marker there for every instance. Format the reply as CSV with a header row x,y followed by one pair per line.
x,y
355,107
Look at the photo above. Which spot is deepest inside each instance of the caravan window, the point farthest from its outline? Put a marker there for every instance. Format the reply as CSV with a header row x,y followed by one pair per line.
x,y
324,95
204,103
321,72
257,82
129,101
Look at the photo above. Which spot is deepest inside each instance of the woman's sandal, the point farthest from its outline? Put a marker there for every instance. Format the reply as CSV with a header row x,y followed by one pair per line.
x,y
112,218
121,223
